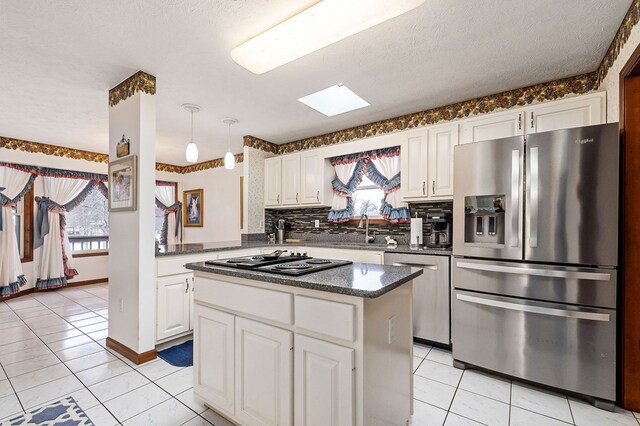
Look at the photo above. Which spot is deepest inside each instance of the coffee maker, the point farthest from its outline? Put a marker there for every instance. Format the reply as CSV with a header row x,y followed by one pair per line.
x,y
440,236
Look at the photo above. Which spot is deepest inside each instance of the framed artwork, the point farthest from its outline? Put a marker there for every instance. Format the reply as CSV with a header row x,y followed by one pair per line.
x,y
193,207
123,184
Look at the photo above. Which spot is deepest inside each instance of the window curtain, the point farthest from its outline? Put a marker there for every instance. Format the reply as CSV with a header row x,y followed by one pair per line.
x,y
61,194
382,166
384,170
349,171
14,183
166,201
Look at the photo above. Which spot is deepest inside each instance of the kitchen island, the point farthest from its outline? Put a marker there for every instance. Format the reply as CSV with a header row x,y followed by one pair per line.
x,y
330,347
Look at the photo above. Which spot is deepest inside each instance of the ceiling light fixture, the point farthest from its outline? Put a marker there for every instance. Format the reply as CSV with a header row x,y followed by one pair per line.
x,y
229,158
318,26
191,153
334,100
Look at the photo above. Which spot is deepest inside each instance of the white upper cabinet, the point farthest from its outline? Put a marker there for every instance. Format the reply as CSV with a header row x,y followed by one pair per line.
x,y
291,180
272,181
427,163
298,180
442,140
414,158
573,112
315,179
493,126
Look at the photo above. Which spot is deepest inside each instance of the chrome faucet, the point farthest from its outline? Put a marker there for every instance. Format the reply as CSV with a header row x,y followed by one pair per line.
x,y
367,238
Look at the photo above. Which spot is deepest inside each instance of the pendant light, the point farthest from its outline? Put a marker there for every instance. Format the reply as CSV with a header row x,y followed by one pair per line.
x,y
191,153
229,158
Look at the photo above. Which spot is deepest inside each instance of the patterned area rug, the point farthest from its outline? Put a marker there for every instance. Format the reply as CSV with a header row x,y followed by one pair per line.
x,y
61,413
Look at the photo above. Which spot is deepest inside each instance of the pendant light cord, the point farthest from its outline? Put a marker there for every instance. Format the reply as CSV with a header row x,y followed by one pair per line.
x,y
229,138
191,125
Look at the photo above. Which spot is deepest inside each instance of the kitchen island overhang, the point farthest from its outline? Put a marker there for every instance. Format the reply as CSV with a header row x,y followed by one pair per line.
x,y
335,344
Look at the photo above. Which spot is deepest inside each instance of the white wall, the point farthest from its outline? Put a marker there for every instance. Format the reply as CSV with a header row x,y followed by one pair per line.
x,y
611,82
221,217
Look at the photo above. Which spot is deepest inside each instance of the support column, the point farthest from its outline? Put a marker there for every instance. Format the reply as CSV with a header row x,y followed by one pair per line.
x,y
255,151
132,280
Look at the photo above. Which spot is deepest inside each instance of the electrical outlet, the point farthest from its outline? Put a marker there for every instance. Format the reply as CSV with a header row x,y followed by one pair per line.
x,y
121,305
317,223
392,329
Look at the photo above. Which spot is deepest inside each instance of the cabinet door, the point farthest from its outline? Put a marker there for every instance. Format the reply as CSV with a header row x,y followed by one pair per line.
x,y
312,178
213,358
272,181
263,374
191,303
565,114
442,140
414,157
493,126
324,385
173,305
291,180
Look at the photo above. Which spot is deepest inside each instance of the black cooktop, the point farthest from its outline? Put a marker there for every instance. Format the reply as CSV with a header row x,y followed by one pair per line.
x,y
296,264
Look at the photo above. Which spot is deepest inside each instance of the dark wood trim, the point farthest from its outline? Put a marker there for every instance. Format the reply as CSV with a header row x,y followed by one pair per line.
x,y
130,354
27,225
90,254
88,282
629,231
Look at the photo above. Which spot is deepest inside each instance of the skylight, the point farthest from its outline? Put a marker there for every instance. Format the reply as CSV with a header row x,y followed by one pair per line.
x,y
334,100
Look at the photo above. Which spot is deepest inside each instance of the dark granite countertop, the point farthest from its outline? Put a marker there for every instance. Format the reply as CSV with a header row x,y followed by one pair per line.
x,y
357,279
195,248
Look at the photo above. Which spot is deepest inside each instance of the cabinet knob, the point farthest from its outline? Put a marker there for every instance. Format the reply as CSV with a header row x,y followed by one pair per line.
x,y
318,196
296,197
519,121
433,188
532,119
187,281
423,184
278,199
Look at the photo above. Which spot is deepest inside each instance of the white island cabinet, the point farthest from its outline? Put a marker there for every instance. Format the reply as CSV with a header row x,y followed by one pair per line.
x,y
303,352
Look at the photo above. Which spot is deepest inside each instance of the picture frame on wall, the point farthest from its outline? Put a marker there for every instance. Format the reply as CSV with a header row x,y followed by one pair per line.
x,y
123,184
193,208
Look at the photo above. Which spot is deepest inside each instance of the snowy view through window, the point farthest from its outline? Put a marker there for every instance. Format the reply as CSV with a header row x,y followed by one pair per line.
x,y
369,195
88,224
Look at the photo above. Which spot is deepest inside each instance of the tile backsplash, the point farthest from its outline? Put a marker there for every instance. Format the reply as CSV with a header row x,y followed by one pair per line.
x,y
302,220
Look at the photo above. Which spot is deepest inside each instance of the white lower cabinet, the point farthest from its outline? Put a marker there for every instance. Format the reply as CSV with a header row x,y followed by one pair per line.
x,y
213,358
174,301
324,383
263,373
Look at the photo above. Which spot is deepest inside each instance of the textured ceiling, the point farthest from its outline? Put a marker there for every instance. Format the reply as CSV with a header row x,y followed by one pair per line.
x,y
58,60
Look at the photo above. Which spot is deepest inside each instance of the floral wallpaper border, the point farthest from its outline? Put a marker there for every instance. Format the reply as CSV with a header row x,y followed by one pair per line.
x,y
96,157
55,150
629,21
262,145
138,82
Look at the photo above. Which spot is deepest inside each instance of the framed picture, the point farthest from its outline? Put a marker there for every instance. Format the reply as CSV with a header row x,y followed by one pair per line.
x,y
193,207
123,184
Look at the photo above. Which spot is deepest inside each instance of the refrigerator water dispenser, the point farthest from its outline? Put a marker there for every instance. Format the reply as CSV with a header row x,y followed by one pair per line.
x,y
484,219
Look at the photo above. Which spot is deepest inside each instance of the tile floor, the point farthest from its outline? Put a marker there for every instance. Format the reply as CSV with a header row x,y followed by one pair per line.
x,y
53,345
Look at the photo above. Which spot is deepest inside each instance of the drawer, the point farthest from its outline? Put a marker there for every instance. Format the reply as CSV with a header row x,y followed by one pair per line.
x,y
562,346
268,304
338,318
175,265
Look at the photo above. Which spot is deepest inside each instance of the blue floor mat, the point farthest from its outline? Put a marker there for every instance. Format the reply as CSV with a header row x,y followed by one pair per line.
x,y
180,355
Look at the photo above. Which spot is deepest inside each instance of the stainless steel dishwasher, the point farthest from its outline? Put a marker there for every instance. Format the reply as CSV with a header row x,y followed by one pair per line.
x,y
431,295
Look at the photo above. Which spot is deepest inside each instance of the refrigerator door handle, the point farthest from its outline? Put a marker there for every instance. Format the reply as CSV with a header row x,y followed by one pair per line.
x,y
515,198
534,192
534,309
416,265
552,273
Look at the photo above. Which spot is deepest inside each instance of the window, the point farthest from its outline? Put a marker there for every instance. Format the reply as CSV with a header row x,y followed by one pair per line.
x,y
23,215
88,224
367,198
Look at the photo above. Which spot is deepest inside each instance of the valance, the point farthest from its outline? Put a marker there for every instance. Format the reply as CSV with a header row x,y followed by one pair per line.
x,y
376,153
51,172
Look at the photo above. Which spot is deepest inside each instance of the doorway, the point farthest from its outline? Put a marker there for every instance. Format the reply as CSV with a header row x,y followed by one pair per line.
x,y
630,232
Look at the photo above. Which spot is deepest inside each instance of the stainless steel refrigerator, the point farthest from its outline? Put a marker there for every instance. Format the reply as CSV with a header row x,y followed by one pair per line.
x,y
536,251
